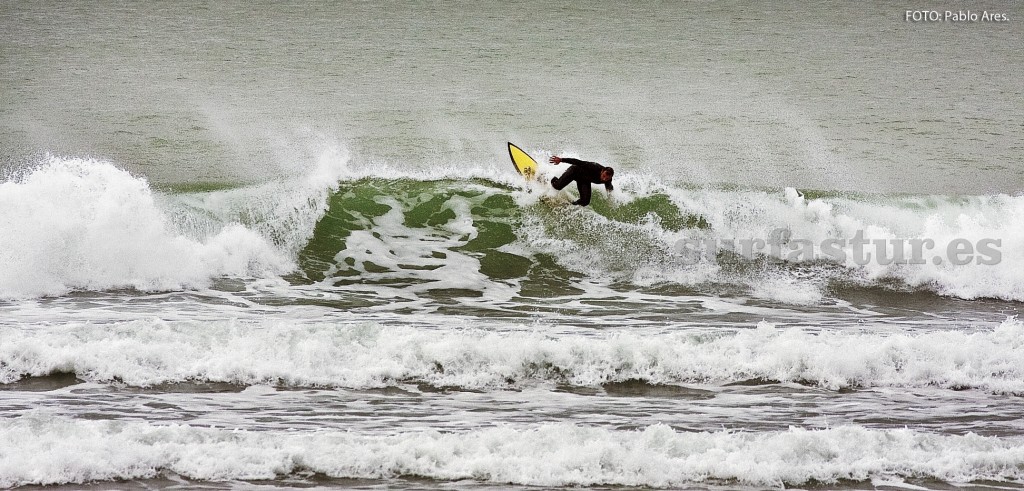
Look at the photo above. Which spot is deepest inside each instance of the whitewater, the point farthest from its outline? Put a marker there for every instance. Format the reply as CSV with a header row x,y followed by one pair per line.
x,y
282,246
444,296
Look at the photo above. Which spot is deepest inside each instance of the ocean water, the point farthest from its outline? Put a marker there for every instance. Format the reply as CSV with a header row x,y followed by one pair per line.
x,y
253,245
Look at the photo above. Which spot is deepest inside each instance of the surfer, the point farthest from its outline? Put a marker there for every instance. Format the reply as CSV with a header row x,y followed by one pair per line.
x,y
584,173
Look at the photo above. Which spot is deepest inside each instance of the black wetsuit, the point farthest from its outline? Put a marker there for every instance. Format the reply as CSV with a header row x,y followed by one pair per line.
x,y
584,173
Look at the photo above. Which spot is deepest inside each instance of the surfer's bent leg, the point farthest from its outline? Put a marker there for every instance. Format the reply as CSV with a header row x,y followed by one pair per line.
x,y
560,182
584,187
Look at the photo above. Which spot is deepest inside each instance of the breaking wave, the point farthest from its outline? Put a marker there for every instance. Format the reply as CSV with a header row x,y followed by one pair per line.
x,y
77,224
368,355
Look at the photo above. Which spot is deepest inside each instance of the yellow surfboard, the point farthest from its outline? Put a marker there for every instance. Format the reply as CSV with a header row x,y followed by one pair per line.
x,y
524,164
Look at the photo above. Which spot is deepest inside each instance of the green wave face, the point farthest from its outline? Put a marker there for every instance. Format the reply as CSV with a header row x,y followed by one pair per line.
x,y
418,214
459,237
437,240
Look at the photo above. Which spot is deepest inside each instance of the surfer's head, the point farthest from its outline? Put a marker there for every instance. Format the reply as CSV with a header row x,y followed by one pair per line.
x,y
606,174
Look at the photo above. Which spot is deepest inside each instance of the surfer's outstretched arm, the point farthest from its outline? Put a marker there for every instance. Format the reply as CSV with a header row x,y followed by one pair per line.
x,y
569,160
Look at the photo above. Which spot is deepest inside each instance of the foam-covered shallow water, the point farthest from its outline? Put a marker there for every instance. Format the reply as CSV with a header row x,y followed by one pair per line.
x,y
560,454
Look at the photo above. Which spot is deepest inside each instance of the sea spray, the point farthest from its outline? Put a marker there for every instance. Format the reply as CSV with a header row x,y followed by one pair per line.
x,y
82,224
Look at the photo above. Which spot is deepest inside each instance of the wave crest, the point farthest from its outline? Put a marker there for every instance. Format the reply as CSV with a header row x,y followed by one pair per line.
x,y
543,455
82,224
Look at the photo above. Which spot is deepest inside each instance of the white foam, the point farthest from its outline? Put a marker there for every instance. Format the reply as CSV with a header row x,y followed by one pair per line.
x,y
319,353
787,289
53,449
749,214
941,219
644,252
81,224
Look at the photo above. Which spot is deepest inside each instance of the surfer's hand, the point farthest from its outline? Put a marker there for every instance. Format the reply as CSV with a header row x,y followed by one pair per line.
x,y
555,159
